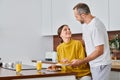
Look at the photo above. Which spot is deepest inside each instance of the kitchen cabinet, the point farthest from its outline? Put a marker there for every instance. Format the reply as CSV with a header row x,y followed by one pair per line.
x,y
62,13
58,12
46,18
114,75
99,8
115,70
114,13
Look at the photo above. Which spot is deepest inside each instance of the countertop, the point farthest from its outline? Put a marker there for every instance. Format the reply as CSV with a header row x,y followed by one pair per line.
x,y
6,74
115,64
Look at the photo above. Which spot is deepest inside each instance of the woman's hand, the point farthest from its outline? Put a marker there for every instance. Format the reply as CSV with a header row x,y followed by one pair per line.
x,y
64,61
76,62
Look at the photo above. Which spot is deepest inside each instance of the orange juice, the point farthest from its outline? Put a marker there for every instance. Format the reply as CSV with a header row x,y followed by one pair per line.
x,y
39,65
18,67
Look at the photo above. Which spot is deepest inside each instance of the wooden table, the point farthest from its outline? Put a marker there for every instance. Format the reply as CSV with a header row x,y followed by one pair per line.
x,y
28,74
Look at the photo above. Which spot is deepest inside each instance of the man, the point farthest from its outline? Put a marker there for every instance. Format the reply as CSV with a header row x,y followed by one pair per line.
x,y
96,43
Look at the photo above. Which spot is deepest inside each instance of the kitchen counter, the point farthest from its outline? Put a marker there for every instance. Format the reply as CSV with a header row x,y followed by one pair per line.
x,y
6,74
115,70
116,65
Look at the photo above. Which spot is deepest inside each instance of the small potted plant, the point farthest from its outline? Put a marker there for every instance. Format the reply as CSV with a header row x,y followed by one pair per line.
x,y
115,42
115,46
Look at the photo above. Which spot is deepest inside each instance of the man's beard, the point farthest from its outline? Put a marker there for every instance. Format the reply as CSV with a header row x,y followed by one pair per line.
x,y
82,22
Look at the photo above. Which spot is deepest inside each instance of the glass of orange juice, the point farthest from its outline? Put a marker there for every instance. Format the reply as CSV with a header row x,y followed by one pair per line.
x,y
18,66
39,65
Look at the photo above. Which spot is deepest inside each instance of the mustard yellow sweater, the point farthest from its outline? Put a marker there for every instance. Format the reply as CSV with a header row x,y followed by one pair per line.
x,y
73,50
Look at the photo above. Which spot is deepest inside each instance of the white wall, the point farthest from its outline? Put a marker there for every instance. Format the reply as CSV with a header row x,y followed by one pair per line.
x,y
20,28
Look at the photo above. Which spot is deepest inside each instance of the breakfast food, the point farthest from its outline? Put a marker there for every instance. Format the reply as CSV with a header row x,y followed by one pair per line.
x,y
54,68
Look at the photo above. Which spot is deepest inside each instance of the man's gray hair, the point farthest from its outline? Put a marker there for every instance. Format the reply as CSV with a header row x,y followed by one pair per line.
x,y
82,8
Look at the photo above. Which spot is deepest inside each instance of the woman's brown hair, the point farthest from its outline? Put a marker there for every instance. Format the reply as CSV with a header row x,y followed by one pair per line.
x,y
59,32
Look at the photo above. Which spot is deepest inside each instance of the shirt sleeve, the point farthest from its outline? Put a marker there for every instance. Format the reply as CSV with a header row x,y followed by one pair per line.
x,y
98,36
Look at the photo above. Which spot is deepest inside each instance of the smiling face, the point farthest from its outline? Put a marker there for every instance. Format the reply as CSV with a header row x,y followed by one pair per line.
x,y
65,33
78,16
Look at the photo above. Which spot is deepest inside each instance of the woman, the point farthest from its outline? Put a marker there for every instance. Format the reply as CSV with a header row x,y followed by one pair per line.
x,y
69,50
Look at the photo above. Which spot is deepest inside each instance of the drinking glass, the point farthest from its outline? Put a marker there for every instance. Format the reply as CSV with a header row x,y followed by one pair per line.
x,y
18,66
39,65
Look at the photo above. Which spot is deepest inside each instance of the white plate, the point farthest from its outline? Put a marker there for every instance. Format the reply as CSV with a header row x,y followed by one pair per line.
x,y
53,70
62,64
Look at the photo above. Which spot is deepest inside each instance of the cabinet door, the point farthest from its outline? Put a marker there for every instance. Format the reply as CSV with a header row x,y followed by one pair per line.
x,y
114,10
46,18
62,13
99,8
114,75
58,12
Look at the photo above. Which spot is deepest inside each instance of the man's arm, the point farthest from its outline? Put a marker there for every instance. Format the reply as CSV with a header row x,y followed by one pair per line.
x,y
96,53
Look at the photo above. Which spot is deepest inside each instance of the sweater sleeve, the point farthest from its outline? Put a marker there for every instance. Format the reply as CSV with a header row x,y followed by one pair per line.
x,y
80,51
58,59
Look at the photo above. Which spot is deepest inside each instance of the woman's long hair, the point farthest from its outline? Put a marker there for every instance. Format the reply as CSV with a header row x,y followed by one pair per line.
x,y
59,32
